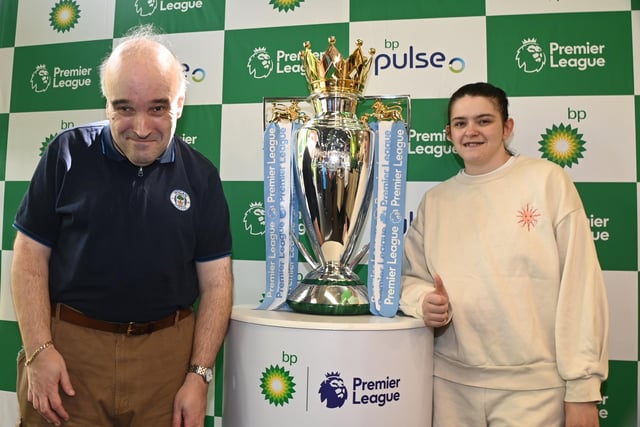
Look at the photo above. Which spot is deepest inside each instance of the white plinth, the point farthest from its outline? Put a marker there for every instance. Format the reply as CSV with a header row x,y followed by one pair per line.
x,y
289,369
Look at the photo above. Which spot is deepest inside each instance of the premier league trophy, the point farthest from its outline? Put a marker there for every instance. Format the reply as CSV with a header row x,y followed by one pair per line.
x,y
333,181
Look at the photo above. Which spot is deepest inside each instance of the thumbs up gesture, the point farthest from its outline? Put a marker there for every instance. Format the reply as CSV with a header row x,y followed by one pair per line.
x,y
435,306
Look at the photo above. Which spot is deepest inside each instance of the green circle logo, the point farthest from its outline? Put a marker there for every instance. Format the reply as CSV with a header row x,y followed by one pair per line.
x,y
562,145
277,385
285,5
45,143
64,15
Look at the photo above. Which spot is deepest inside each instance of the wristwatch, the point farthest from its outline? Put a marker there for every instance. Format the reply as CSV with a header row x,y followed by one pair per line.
x,y
205,373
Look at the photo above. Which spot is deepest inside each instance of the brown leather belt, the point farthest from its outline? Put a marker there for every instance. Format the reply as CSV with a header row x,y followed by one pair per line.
x,y
75,317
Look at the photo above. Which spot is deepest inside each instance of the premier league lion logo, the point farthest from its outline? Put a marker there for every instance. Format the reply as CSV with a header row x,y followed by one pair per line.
x,y
260,64
333,391
146,7
530,56
40,79
253,219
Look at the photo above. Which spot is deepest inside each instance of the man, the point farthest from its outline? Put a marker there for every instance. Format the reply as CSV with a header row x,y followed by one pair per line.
x,y
123,227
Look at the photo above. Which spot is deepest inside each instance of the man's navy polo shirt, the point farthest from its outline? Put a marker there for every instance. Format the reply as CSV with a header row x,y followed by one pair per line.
x,y
124,240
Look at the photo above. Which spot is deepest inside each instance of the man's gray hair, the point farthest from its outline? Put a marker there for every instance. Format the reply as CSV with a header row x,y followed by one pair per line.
x,y
143,33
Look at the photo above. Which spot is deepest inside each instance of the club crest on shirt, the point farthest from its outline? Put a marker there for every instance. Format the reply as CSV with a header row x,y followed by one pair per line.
x,y
180,199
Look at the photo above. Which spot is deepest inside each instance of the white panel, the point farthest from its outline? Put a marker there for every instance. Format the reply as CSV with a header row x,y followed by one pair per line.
x,y
94,20
201,56
241,152
28,133
606,124
249,282
6,71
414,57
8,408
622,292
263,13
512,7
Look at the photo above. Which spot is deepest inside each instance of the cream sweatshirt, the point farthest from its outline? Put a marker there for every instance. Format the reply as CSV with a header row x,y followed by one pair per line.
x,y
517,258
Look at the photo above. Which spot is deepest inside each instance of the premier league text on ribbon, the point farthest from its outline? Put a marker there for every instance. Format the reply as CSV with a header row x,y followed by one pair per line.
x,y
387,242
280,214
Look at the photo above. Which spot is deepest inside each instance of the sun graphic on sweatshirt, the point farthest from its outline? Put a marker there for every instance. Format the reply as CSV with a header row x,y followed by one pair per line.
x,y
528,217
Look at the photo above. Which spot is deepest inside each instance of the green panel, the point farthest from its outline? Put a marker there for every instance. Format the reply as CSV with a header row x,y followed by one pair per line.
x,y
637,126
431,156
561,54
169,16
265,62
246,207
635,4
620,395
218,384
612,212
199,126
4,134
58,77
11,344
13,193
8,15
374,10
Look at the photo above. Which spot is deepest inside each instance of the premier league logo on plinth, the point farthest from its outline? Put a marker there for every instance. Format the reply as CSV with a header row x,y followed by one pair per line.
x,y
328,166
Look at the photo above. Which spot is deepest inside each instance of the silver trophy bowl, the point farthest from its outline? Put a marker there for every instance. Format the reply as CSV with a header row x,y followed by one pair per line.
x,y
333,180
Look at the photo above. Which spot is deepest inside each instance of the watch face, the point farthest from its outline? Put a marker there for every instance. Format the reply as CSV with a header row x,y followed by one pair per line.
x,y
205,373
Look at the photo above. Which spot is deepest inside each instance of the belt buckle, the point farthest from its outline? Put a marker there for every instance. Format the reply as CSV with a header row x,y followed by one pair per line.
x,y
130,328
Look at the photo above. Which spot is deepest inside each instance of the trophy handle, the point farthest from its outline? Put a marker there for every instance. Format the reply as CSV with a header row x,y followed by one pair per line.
x,y
358,256
305,253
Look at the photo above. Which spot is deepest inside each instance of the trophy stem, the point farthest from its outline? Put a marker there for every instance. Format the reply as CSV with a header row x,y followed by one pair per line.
x,y
330,289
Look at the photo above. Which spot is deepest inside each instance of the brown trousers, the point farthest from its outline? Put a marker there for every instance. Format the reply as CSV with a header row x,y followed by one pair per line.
x,y
119,380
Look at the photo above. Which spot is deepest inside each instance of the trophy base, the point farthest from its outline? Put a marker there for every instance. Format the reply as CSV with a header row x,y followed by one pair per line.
x,y
333,299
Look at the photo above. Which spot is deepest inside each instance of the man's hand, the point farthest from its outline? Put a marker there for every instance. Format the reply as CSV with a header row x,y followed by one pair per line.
x,y
190,403
46,375
581,414
435,306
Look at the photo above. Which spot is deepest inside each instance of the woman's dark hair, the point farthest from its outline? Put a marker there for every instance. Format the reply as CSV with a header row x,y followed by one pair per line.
x,y
486,90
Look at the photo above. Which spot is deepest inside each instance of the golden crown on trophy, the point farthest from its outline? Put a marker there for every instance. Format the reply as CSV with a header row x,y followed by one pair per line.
x,y
332,73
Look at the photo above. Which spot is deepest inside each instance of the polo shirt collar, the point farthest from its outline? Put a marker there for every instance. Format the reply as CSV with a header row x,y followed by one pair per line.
x,y
110,150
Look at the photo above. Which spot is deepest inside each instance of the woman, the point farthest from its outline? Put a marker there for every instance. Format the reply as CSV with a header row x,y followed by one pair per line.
x,y
508,235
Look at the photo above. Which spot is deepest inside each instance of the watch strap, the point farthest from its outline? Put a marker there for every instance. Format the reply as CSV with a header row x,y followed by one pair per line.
x,y
204,372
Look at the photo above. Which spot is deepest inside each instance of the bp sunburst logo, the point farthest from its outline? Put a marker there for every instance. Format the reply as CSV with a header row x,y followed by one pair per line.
x,y
285,5
64,15
45,143
277,385
562,145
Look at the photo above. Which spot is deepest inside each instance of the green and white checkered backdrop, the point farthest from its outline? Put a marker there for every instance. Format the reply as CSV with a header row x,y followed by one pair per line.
x,y
579,107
